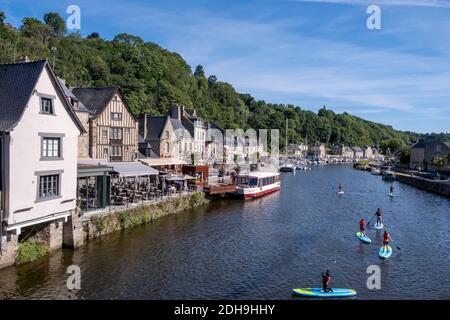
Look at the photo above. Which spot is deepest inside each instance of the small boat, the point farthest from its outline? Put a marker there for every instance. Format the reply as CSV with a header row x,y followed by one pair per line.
x,y
287,167
388,176
256,184
375,171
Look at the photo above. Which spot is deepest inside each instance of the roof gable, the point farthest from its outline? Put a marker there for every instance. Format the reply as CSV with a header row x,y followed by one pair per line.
x,y
17,83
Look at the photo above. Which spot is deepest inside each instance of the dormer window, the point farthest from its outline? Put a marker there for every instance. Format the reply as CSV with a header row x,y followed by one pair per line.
x,y
47,105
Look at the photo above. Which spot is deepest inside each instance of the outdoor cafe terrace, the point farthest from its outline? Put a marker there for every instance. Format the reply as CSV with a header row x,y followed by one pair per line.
x,y
112,186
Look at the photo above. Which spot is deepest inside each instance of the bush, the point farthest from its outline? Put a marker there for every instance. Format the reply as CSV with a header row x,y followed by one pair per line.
x,y
196,199
30,251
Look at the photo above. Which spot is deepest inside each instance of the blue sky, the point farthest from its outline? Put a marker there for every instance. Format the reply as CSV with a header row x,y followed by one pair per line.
x,y
308,53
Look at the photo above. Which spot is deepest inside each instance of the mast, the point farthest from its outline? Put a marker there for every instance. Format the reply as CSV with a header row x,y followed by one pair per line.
x,y
286,145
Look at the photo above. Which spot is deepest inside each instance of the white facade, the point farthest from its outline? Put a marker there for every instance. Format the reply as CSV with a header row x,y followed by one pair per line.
x,y
26,164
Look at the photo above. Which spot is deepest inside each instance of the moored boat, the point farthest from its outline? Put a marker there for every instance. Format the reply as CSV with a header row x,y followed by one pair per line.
x,y
255,184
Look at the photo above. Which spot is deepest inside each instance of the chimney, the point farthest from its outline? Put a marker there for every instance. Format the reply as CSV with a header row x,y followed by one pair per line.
x,y
175,111
23,60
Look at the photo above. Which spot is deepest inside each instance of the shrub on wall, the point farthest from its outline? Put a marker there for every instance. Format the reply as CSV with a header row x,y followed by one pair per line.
x,y
30,251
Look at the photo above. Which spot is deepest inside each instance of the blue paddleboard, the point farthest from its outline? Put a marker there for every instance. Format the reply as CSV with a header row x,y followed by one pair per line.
x,y
363,238
384,254
318,292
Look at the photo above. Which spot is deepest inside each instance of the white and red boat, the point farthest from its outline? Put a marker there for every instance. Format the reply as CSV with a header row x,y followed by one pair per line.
x,y
256,184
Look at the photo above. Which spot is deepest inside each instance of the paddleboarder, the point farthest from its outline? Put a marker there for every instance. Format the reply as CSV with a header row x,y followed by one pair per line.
x,y
341,187
379,213
326,279
386,238
391,190
362,227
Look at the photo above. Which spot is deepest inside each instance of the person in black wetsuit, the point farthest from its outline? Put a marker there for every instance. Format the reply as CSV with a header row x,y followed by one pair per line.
x,y
379,213
326,279
391,190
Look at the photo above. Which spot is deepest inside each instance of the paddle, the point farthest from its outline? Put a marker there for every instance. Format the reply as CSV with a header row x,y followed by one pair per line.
x,y
371,219
398,248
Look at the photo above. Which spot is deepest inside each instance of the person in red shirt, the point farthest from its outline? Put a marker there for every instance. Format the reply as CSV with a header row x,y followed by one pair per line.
x,y
362,227
386,238
326,280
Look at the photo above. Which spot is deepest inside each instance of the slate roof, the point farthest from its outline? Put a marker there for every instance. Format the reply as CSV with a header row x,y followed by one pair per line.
x,y
95,99
17,82
155,126
69,94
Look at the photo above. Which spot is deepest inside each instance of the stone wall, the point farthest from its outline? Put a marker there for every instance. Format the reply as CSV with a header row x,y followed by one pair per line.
x,y
8,251
52,235
83,140
99,225
437,187
73,236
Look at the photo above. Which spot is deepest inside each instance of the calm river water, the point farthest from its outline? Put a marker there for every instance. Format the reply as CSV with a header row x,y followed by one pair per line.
x,y
262,249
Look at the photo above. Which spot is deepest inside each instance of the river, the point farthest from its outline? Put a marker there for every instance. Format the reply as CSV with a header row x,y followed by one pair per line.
x,y
261,249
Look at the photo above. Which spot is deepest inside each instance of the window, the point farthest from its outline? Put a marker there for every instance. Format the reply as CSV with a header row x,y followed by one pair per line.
x,y
116,116
127,130
105,133
51,147
105,152
116,151
115,133
166,134
166,147
48,186
46,105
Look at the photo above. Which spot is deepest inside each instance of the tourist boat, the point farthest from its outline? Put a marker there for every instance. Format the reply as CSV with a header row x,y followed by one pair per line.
x,y
255,184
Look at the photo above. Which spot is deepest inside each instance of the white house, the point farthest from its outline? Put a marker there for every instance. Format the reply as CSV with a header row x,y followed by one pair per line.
x,y
38,153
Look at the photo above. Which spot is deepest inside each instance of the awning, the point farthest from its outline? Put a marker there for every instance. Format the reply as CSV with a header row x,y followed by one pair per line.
x,y
124,169
134,169
174,178
162,161
180,178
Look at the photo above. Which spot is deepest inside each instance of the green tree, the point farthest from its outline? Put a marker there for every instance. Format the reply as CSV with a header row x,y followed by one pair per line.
x,y
199,72
56,24
33,28
2,17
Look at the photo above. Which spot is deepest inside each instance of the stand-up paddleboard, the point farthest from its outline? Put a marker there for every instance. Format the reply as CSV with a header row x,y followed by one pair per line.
x,y
379,226
319,293
340,192
384,254
391,194
363,238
